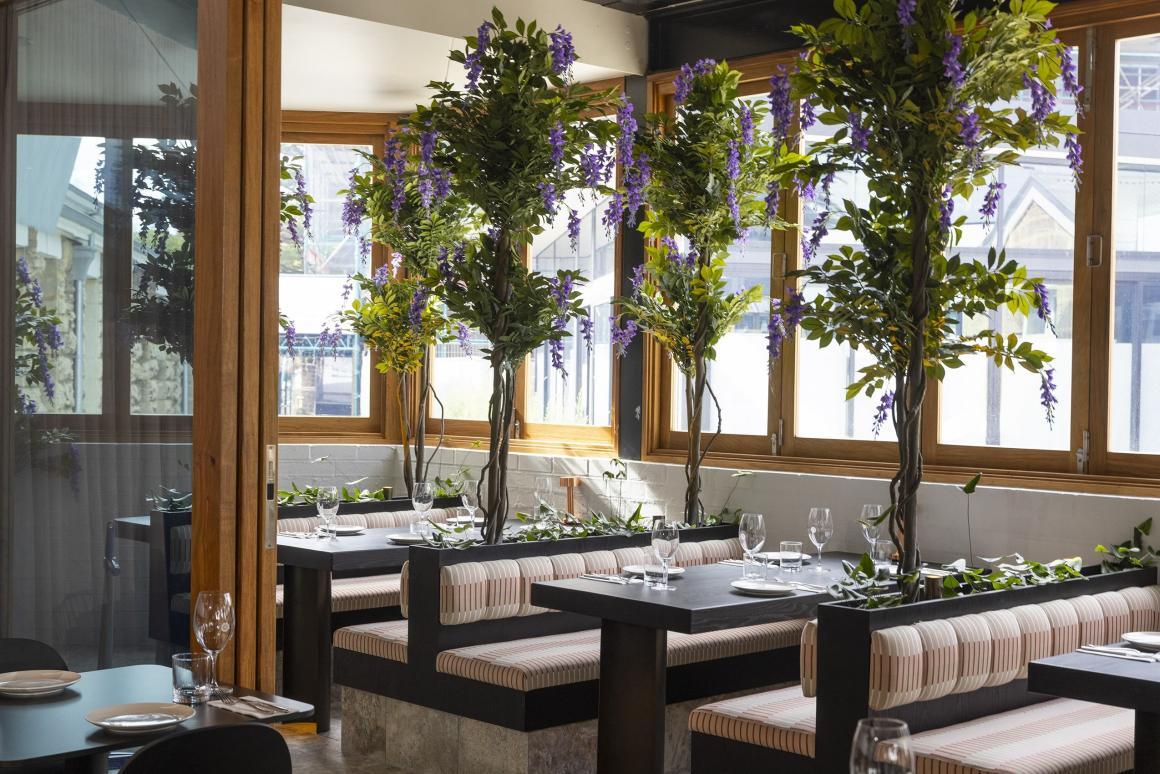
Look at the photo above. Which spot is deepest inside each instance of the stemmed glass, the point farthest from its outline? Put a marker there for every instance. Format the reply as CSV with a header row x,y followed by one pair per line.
x,y
422,498
327,507
213,625
665,539
470,499
821,530
871,524
751,534
545,496
881,746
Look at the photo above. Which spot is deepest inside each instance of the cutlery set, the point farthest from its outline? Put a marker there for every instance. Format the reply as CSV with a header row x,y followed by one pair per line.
x,y
606,578
1131,654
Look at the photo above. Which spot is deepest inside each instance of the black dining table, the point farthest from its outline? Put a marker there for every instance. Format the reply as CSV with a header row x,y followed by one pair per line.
x,y
52,731
634,624
1117,682
308,566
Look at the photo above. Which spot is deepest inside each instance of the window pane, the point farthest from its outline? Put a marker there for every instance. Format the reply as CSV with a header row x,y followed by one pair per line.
x,y
1135,408
584,397
314,380
987,405
461,379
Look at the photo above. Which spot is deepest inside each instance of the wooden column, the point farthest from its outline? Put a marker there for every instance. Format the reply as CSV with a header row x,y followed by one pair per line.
x,y
235,359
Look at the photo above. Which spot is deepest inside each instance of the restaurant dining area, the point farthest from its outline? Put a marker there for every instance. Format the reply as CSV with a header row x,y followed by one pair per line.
x,y
580,386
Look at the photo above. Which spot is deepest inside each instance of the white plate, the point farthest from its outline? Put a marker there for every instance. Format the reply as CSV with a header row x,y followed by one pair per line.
x,y
36,682
1144,640
140,718
775,556
654,569
407,539
762,588
346,529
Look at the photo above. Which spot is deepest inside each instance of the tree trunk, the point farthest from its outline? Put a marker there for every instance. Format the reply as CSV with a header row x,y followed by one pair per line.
x,y
694,409
420,423
404,408
910,391
501,407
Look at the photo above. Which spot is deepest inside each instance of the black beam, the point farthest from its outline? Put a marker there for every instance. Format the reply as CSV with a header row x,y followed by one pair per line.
x,y
630,389
8,47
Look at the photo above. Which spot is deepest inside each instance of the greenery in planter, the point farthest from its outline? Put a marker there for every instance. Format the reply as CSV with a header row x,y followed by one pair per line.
x,y
511,142
399,311
348,493
706,177
920,95
1131,553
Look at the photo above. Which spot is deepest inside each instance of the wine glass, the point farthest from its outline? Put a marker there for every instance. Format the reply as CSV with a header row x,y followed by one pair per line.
x,y
422,498
751,534
665,539
327,507
870,522
545,496
881,746
821,530
470,498
213,625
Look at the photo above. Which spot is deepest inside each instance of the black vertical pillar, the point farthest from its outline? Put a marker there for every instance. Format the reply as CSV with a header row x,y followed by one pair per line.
x,y
629,399
8,41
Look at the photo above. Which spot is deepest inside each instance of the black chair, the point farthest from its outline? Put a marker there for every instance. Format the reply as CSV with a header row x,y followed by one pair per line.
x,y
247,748
17,654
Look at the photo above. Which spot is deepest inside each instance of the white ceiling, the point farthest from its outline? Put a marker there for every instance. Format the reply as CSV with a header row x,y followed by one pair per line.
x,y
336,61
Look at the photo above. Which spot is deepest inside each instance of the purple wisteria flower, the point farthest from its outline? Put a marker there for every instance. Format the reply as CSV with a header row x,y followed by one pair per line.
x,y
819,228
780,105
1047,397
1074,157
473,62
772,199
991,200
626,122
586,327
556,143
574,230
952,67
304,200
594,165
560,289
347,288
290,338
946,209
808,116
442,184
460,253
732,160
795,309
548,194
427,140
1043,305
1042,100
563,52
968,128
804,188
292,230
775,332
353,208
613,213
395,165
636,180
1070,75
443,264
22,272
556,350
381,276
463,336
906,10
330,339
684,81
637,279
745,123
622,336
885,404
859,135
26,404
418,306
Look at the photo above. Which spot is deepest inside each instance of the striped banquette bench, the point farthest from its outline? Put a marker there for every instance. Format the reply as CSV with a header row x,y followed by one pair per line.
x,y
956,671
473,650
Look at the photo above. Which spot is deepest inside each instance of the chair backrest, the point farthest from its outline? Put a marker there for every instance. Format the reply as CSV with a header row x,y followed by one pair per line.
x,y
245,748
170,561
17,654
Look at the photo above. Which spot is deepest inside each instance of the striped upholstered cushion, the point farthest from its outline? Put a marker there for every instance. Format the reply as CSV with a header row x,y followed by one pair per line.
x,y
348,594
781,720
558,659
1057,737
385,639
481,591
808,658
1143,608
384,519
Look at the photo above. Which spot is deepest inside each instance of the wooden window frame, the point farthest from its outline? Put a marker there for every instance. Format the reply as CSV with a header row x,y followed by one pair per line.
x,y
1081,23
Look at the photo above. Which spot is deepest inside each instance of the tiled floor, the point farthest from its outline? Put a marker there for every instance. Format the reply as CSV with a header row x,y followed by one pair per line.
x,y
321,753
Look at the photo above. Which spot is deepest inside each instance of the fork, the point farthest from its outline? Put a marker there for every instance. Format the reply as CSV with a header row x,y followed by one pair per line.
x,y
225,697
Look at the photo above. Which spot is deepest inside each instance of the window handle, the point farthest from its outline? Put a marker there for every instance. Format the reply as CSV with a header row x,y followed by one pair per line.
x,y
1095,251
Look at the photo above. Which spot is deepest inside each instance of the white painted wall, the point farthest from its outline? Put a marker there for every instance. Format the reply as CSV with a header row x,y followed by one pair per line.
x,y
1041,525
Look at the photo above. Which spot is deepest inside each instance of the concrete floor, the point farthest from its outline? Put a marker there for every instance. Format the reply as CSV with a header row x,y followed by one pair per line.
x,y
318,753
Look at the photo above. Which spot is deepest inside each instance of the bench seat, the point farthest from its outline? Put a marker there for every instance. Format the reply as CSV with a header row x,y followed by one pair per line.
x,y
780,720
347,595
561,659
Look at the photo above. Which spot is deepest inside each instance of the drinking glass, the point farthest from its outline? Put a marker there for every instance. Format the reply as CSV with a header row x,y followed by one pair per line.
x,y
213,625
871,527
545,496
881,746
470,498
882,552
422,497
191,676
665,539
327,506
791,555
751,534
821,530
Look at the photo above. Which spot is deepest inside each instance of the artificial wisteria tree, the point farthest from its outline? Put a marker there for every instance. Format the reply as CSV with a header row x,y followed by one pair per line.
x,y
705,175
399,309
925,104
511,142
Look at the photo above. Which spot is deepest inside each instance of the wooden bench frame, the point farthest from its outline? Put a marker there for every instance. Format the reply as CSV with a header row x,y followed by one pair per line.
x,y
843,675
418,682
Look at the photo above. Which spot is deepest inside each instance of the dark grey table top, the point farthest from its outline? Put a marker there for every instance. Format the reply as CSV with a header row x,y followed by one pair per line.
x,y
54,728
370,550
702,601
134,528
1113,681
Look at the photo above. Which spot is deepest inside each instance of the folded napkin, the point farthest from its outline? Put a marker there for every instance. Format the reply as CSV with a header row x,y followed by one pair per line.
x,y
243,707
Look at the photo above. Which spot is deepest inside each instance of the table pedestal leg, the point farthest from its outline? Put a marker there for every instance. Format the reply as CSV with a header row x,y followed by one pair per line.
x,y
1147,742
306,640
98,763
631,727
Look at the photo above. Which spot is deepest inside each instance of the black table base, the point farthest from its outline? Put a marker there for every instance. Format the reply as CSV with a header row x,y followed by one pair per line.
x,y
631,725
1147,760
306,660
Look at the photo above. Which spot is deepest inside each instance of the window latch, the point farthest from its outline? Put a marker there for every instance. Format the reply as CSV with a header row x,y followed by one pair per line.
x,y
775,439
1095,251
1083,453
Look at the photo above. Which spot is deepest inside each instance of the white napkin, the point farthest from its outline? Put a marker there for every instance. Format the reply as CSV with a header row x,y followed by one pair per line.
x,y
243,707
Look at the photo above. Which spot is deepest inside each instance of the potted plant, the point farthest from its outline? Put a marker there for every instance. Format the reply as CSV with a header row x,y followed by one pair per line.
x,y
511,142
921,96
399,310
705,176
